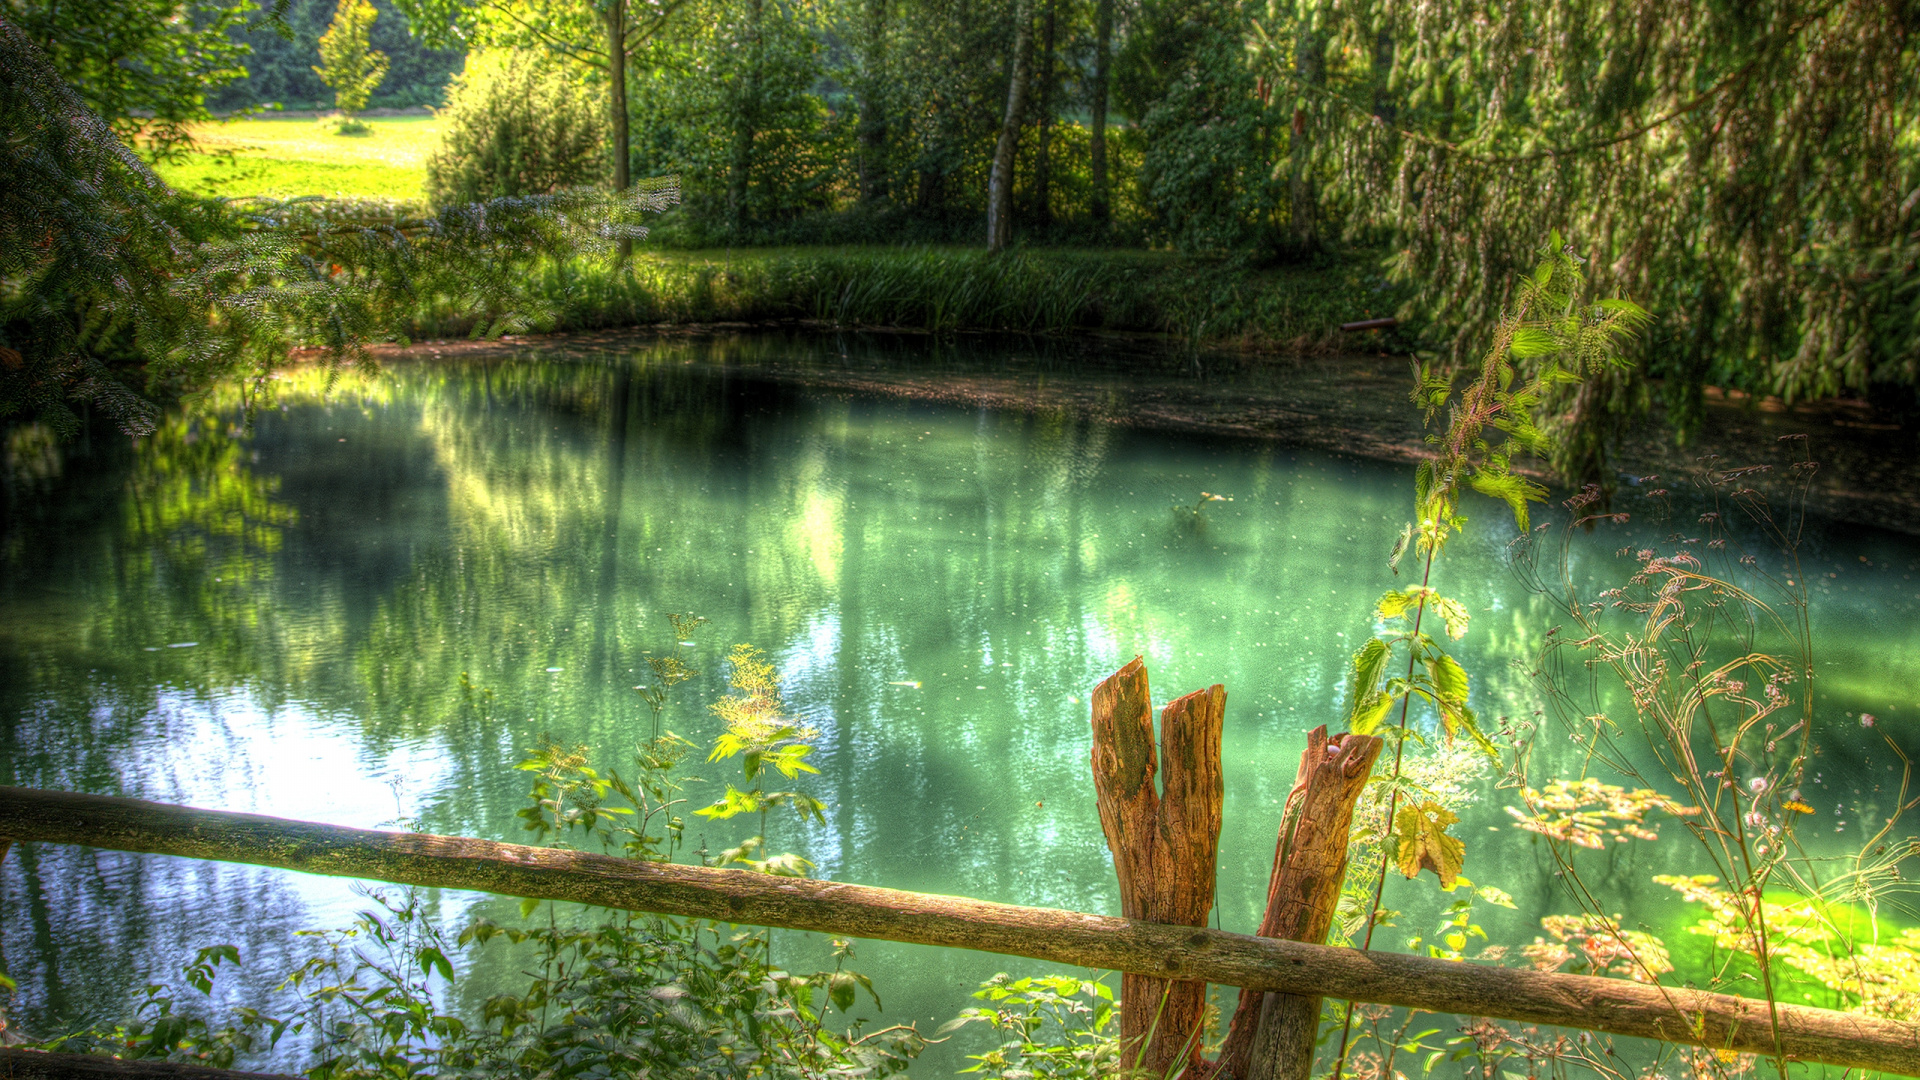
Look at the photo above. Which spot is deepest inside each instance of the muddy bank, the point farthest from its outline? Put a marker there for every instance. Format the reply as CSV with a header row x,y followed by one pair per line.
x,y
1869,472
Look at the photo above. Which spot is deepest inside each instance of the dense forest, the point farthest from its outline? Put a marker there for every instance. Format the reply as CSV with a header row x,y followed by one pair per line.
x,y
280,66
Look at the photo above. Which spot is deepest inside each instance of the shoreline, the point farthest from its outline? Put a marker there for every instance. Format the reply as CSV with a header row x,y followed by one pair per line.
x,y
1348,404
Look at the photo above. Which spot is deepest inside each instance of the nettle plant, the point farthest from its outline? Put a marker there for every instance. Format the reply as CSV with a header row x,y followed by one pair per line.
x,y
1553,335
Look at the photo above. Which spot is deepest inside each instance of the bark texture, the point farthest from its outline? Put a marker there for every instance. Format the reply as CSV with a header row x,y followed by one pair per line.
x,y
1164,846
1616,1006
1000,180
616,18
1097,137
1271,1037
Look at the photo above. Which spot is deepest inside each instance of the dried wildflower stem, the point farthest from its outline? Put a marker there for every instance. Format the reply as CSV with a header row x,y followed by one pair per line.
x,y
1189,953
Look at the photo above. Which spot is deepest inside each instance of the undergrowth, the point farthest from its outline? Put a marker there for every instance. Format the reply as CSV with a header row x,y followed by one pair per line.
x,y
943,290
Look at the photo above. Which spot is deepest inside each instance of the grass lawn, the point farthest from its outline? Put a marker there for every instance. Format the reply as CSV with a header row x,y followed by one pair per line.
x,y
289,157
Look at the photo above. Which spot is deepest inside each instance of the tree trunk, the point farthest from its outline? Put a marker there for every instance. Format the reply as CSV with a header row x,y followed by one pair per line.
x,y
1303,210
1164,846
1043,159
1272,1035
1000,181
1618,1006
1102,48
617,105
872,170
745,123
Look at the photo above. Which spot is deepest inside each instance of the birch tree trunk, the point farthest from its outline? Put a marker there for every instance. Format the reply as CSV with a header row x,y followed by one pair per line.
x,y
616,18
1102,50
1000,181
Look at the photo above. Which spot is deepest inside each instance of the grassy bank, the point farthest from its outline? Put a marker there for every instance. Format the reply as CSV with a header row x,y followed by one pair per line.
x,y
287,157
952,289
376,176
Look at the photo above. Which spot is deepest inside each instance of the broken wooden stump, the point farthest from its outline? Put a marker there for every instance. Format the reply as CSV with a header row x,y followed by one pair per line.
x,y
1164,844
1272,1035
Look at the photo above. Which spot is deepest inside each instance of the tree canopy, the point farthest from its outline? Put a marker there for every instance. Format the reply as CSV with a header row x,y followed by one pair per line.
x,y
1747,169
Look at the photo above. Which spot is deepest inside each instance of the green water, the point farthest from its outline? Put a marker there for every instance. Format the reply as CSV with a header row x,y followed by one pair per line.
x,y
365,609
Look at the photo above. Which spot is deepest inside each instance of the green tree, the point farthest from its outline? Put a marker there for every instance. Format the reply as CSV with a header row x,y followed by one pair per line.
x,y
144,66
1745,168
515,124
1207,175
111,284
601,35
348,64
280,68
728,102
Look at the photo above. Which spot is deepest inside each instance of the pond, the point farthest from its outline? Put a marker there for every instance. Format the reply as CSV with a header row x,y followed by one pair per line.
x,y
367,608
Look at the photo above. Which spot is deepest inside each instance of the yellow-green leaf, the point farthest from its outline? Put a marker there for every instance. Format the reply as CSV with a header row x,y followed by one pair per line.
x,y
1449,679
1367,717
1421,833
1451,612
1394,604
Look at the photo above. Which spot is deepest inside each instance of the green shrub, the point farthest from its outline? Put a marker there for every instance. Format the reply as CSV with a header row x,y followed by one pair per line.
x,y
515,125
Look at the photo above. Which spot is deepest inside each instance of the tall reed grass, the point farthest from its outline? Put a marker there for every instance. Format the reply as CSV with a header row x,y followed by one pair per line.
x,y
944,290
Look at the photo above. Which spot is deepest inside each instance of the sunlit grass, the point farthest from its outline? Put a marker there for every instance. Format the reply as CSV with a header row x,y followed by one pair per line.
x,y
289,157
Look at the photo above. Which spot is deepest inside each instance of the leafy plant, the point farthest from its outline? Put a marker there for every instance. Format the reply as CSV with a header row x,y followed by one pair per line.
x,y
762,736
621,994
670,670
1192,517
1052,1027
515,124
1553,335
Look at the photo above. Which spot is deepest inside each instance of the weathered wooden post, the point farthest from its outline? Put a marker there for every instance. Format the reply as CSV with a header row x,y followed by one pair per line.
x,y
1272,1035
1164,844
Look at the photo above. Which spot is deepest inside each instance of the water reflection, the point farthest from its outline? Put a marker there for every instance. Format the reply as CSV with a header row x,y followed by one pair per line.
x,y
367,607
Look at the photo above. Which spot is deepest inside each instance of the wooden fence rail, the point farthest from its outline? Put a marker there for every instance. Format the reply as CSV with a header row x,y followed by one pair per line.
x,y
1616,1006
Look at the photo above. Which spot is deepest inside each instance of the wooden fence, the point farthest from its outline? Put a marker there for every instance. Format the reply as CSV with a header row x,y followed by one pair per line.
x,y
1185,953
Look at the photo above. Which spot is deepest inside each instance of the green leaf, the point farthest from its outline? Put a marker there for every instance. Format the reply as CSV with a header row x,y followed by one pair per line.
x,y
432,959
735,802
1453,613
840,989
1529,341
1364,708
790,761
1627,308
1449,679
1400,547
1420,831
1394,604
1496,897
528,905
